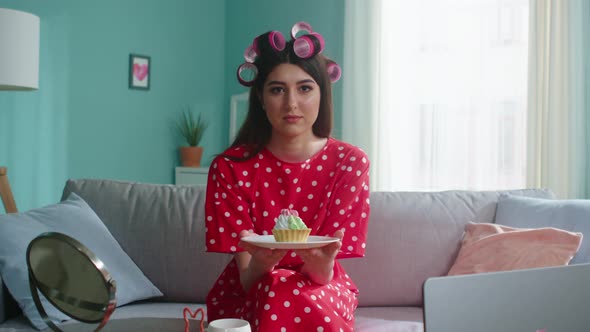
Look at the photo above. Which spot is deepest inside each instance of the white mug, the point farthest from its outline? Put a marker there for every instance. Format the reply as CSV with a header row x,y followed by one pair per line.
x,y
229,325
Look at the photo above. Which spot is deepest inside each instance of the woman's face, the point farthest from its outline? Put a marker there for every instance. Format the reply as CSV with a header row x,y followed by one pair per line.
x,y
291,100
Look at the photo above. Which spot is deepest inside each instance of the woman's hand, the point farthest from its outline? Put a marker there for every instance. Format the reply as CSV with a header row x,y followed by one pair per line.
x,y
264,258
318,263
256,261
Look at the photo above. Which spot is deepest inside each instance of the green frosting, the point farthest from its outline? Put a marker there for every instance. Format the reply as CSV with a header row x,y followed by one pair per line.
x,y
296,223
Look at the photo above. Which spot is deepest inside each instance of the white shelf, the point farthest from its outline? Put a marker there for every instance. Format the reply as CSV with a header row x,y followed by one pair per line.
x,y
191,175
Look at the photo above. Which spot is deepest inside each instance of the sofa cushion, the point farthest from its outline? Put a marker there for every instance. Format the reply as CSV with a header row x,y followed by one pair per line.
x,y
416,235
389,319
162,228
572,215
75,218
490,248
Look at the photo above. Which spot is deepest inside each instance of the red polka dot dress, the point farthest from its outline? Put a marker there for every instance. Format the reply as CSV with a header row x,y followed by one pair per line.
x,y
330,191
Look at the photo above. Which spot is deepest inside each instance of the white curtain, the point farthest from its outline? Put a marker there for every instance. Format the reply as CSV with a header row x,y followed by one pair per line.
x,y
361,65
558,108
437,92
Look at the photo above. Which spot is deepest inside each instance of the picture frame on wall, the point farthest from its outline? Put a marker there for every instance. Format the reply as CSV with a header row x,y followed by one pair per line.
x,y
139,72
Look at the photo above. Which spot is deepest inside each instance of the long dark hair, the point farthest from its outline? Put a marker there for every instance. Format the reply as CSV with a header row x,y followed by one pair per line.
x,y
256,130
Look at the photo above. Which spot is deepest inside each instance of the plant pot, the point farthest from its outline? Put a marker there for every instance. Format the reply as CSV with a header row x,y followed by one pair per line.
x,y
190,156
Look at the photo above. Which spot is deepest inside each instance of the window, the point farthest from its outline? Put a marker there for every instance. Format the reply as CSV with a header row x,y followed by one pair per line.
x,y
452,95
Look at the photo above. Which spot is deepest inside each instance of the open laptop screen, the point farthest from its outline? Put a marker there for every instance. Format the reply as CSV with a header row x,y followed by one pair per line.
x,y
555,299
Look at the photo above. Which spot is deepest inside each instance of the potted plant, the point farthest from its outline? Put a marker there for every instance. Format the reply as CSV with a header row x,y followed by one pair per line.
x,y
191,128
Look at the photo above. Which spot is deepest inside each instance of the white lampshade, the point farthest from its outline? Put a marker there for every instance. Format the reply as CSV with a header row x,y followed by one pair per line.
x,y
19,50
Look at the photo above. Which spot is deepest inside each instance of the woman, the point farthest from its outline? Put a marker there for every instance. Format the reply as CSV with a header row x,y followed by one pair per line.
x,y
284,158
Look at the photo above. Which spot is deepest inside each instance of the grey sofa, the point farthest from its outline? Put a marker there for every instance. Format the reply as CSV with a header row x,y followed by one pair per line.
x,y
412,236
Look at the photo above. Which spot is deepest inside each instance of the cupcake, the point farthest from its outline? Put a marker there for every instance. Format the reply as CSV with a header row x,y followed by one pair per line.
x,y
290,228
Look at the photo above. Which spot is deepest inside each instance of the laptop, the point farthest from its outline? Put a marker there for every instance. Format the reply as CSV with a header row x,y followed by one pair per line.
x,y
554,299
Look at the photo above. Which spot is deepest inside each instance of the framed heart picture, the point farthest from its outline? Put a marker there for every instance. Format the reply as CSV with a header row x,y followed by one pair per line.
x,y
139,72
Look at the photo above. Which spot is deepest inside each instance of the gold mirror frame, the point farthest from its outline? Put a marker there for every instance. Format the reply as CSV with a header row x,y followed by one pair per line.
x,y
43,253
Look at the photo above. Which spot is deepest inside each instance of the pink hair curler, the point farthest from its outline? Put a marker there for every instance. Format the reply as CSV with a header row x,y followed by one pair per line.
x,y
250,54
321,40
308,45
275,40
299,27
334,72
247,73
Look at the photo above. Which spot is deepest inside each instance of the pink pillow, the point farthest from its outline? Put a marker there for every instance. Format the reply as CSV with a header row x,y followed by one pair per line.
x,y
491,247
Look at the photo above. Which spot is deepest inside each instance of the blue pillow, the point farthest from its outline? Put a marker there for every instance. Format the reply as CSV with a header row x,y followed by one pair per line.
x,y
571,215
75,218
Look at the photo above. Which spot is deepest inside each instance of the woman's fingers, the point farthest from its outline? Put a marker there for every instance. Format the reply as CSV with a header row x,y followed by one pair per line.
x,y
247,246
245,233
333,248
267,258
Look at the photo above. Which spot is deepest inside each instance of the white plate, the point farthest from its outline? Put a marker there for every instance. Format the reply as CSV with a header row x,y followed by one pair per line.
x,y
268,241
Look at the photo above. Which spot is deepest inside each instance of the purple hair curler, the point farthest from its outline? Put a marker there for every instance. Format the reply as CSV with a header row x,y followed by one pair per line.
x,y
247,73
274,39
300,26
334,71
308,45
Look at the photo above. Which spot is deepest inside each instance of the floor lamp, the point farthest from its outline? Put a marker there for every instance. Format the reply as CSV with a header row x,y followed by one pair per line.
x,y
19,69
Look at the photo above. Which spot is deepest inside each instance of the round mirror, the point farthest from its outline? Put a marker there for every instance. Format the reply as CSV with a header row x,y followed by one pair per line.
x,y
71,278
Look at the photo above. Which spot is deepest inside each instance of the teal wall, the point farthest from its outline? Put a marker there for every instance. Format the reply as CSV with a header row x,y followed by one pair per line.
x,y
85,122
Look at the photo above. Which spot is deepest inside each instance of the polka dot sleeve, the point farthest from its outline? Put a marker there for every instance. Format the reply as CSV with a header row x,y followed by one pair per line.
x,y
349,205
226,210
